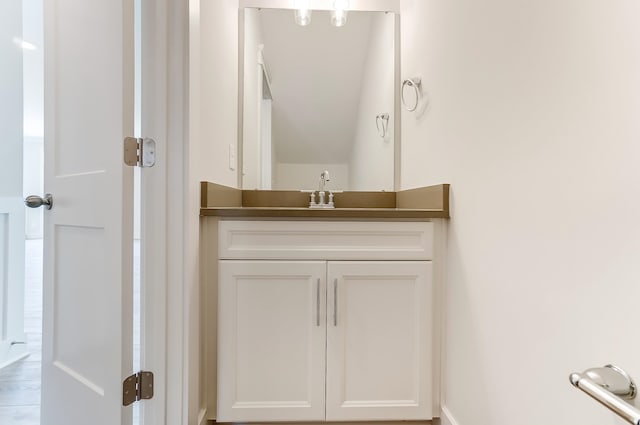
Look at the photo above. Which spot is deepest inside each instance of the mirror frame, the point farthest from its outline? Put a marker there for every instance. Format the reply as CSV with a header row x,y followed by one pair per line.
x,y
391,6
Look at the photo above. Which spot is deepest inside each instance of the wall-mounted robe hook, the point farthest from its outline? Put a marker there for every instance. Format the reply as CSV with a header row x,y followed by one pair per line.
x,y
415,84
384,120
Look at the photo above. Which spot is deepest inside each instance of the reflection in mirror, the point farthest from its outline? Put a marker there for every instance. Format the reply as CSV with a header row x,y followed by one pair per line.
x,y
314,100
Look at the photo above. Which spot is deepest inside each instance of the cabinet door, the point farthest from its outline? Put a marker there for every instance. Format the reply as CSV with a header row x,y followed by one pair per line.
x,y
379,340
271,340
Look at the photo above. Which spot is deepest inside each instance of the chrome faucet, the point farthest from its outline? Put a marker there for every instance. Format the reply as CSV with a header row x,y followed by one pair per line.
x,y
324,178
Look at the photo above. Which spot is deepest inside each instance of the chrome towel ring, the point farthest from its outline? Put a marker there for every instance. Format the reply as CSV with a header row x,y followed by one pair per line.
x,y
415,83
384,118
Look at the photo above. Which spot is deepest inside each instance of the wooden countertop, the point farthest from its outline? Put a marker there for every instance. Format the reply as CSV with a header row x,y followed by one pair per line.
x,y
318,213
413,204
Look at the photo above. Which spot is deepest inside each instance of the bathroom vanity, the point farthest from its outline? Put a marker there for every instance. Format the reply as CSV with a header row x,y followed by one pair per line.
x,y
313,314
322,315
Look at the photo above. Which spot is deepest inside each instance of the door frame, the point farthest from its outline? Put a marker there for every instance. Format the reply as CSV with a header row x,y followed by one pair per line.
x,y
153,289
170,217
170,212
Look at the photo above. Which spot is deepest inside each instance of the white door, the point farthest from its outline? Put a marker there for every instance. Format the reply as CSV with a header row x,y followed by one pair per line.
x,y
271,341
87,341
379,334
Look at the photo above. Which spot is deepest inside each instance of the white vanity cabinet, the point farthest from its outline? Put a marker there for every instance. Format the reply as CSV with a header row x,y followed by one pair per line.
x,y
271,341
379,343
325,321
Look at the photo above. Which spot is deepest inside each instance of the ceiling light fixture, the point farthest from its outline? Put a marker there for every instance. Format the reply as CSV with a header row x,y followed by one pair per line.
x,y
302,12
339,13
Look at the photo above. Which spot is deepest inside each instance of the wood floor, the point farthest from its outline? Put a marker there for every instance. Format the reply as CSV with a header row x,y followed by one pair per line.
x,y
20,382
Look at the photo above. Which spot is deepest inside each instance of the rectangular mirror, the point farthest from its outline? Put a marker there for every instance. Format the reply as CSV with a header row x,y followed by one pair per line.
x,y
318,97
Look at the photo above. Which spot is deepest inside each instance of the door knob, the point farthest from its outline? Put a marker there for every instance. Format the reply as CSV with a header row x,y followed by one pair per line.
x,y
34,201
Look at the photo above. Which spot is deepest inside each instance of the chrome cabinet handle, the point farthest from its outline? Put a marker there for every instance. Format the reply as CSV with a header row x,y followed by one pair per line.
x,y
335,302
34,201
318,302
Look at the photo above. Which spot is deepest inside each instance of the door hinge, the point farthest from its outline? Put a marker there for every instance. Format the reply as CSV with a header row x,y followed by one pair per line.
x,y
138,386
139,152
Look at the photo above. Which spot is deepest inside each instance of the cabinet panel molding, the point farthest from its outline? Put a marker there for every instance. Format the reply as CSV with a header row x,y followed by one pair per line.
x,y
272,340
379,348
326,240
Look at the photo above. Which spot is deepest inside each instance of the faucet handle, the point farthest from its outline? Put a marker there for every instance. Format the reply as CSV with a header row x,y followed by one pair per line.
x,y
312,197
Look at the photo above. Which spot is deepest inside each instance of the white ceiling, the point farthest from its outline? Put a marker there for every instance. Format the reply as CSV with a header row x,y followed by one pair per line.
x,y
316,73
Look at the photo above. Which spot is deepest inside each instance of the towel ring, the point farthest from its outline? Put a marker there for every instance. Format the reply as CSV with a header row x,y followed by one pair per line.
x,y
415,83
385,124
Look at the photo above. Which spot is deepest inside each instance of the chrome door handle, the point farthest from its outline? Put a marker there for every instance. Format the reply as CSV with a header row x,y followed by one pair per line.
x,y
34,201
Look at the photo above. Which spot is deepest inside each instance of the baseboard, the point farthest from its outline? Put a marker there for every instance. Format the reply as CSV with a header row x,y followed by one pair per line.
x,y
10,354
446,418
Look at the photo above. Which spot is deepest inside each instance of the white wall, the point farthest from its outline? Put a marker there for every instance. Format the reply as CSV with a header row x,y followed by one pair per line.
x,y
213,127
252,93
214,88
307,176
11,206
11,101
533,119
371,162
33,184
267,146
33,119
